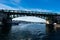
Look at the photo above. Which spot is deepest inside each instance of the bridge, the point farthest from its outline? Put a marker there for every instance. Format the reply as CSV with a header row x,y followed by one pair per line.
x,y
6,17
49,16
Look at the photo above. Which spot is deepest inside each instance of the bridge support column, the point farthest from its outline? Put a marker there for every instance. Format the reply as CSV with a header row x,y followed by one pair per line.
x,y
50,26
13,16
6,27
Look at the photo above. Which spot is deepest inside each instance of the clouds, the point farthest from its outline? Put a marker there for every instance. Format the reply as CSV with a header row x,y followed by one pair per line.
x,y
16,1
41,10
15,4
2,6
12,3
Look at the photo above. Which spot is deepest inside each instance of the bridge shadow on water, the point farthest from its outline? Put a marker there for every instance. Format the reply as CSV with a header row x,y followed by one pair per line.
x,y
54,35
5,35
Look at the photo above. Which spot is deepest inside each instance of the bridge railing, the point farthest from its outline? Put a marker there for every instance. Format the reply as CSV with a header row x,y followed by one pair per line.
x,y
22,11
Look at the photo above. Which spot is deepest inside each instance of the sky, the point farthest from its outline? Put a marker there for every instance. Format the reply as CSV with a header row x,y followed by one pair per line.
x,y
37,5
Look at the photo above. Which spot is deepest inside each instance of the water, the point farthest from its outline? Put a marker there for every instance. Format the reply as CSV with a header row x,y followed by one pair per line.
x,y
27,32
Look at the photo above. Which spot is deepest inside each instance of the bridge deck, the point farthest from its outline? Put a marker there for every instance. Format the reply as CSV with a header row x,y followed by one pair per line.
x,y
29,13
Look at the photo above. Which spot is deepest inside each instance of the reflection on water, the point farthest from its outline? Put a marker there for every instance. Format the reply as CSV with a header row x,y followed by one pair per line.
x,y
26,32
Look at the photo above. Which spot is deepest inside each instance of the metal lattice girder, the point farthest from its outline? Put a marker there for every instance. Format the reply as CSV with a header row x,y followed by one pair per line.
x,y
29,12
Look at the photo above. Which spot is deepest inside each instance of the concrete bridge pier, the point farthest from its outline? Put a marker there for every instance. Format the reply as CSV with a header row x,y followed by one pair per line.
x,y
50,29
6,27
50,24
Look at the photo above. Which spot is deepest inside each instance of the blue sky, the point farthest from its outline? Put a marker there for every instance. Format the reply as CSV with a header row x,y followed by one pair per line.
x,y
44,5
